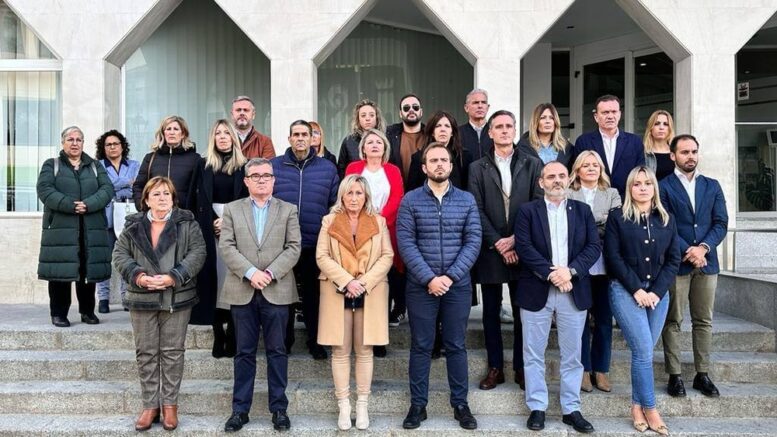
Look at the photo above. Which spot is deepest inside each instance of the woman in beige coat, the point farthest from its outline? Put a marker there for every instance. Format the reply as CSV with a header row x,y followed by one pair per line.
x,y
354,254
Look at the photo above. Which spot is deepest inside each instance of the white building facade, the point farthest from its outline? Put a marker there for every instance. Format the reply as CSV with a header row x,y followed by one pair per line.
x,y
103,64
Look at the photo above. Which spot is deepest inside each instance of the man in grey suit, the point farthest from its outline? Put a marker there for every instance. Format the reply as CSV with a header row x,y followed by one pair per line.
x,y
260,244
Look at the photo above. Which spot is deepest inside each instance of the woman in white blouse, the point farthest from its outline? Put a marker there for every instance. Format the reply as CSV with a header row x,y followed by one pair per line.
x,y
590,184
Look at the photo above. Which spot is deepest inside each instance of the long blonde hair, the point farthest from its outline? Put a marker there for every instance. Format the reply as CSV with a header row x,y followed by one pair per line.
x,y
648,138
630,209
159,136
380,124
321,147
345,185
604,181
212,158
556,139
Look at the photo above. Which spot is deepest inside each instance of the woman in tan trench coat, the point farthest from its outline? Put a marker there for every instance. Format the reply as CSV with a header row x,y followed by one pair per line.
x,y
354,254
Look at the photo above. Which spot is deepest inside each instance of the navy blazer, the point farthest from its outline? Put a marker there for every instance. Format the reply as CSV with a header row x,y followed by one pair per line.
x,y
707,224
533,246
478,147
643,251
629,153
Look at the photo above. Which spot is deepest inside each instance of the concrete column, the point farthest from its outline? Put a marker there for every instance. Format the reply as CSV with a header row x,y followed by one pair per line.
x,y
537,72
295,39
495,35
705,78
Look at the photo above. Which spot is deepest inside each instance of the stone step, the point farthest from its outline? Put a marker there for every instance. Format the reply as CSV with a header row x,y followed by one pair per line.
x,y
27,327
29,425
390,397
120,365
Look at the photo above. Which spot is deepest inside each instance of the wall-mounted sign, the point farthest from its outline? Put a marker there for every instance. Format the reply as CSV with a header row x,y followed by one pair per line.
x,y
743,91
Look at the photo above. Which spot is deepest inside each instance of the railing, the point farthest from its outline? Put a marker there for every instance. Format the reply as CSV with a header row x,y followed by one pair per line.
x,y
727,251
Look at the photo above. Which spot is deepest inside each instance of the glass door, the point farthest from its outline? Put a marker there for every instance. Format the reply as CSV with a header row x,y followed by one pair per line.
x,y
600,78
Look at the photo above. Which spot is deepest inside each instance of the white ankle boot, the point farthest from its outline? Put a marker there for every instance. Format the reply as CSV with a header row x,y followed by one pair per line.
x,y
344,419
362,416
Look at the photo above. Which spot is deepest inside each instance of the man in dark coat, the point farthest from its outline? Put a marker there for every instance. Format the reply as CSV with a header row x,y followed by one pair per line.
x,y
406,137
310,182
474,133
253,143
501,181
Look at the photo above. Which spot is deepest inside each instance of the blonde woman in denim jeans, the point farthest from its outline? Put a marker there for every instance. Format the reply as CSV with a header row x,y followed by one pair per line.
x,y
642,258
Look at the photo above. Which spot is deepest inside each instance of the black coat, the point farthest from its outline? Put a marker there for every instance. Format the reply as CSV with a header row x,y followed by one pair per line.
x,y
179,164
394,135
207,281
477,146
349,152
564,157
486,185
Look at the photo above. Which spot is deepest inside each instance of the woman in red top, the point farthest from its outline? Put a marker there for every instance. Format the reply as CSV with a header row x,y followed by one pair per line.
x,y
385,180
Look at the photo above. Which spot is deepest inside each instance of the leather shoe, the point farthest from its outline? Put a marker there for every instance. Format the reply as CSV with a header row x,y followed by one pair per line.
x,y
602,382
169,417
90,319
414,417
60,322
585,384
465,417
536,420
578,423
704,384
103,307
146,418
675,387
280,420
493,377
317,352
520,380
379,351
236,422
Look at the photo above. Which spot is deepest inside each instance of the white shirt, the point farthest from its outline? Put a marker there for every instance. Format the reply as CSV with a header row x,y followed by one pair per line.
x,y
478,130
609,147
379,187
598,267
505,172
559,236
690,186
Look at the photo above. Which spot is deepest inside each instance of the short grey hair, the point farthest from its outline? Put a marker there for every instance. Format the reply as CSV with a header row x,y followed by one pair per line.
x,y
69,129
255,162
476,91
243,99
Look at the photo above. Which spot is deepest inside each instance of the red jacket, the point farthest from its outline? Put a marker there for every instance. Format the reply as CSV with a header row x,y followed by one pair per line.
x,y
390,210
257,145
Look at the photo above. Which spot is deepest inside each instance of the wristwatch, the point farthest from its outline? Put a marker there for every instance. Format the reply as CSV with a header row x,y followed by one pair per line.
x,y
573,272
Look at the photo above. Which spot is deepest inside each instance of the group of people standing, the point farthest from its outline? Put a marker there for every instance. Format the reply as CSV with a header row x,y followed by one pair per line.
x,y
407,220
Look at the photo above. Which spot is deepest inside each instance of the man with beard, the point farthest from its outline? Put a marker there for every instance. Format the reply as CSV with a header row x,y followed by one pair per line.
x,y
557,242
252,143
406,137
474,133
699,209
438,234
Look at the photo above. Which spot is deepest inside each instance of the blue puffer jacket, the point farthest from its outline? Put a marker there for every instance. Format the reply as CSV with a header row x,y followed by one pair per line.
x,y
437,238
311,184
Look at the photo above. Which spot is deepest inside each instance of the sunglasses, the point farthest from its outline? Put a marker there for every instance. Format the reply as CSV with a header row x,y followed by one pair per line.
x,y
406,108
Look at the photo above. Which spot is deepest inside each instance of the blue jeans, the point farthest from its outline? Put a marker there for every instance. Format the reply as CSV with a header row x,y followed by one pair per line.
x,y
597,342
422,310
641,328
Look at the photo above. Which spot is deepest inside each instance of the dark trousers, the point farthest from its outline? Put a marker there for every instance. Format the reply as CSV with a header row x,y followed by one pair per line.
x,y
396,282
423,308
492,325
597,351
59,297
259,314
306,274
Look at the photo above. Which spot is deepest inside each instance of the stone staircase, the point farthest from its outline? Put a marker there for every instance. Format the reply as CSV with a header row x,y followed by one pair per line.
x,y
83,381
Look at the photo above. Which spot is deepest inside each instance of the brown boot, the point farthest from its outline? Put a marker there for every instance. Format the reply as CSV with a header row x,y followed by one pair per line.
x,y
602,382
170,417
585,385
494,377
146,418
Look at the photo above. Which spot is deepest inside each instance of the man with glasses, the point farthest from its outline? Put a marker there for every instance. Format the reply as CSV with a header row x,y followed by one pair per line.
x,y
310,182
406,137
260,244
252,143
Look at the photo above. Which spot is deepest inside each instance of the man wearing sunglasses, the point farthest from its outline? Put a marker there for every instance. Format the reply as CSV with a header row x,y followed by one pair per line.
x,y
406,137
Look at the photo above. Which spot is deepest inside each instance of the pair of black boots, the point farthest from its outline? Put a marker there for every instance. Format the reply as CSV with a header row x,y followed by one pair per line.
x,y
224,344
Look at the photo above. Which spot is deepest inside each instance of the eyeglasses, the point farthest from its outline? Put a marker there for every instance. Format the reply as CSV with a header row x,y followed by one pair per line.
x,y
406,108
316,133
256,177
107,145
74,140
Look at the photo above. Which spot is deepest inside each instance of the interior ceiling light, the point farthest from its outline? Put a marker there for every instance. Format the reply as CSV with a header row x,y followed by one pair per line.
x,y
570,27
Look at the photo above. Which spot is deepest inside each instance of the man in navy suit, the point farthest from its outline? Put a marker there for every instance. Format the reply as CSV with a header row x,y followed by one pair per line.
x,y
621,151
699,209
557,242
474,133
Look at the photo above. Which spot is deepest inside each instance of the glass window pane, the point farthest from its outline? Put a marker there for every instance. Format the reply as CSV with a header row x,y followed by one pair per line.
x,y
30,108
193,66
653,88
599,79
384,63
757,164
17,41
560,88
757,74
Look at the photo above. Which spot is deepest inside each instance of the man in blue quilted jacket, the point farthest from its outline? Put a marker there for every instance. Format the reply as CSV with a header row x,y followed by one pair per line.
x,y
304,179
439,235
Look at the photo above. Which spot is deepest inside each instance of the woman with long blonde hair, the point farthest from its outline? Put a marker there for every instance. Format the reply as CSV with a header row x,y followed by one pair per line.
x,y
642,258
366,116
658,134
318,141
544,139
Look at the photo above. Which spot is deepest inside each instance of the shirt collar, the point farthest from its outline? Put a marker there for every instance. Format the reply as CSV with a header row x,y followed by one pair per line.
x,y
509,157
604,135
552,206
684,178
266,204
